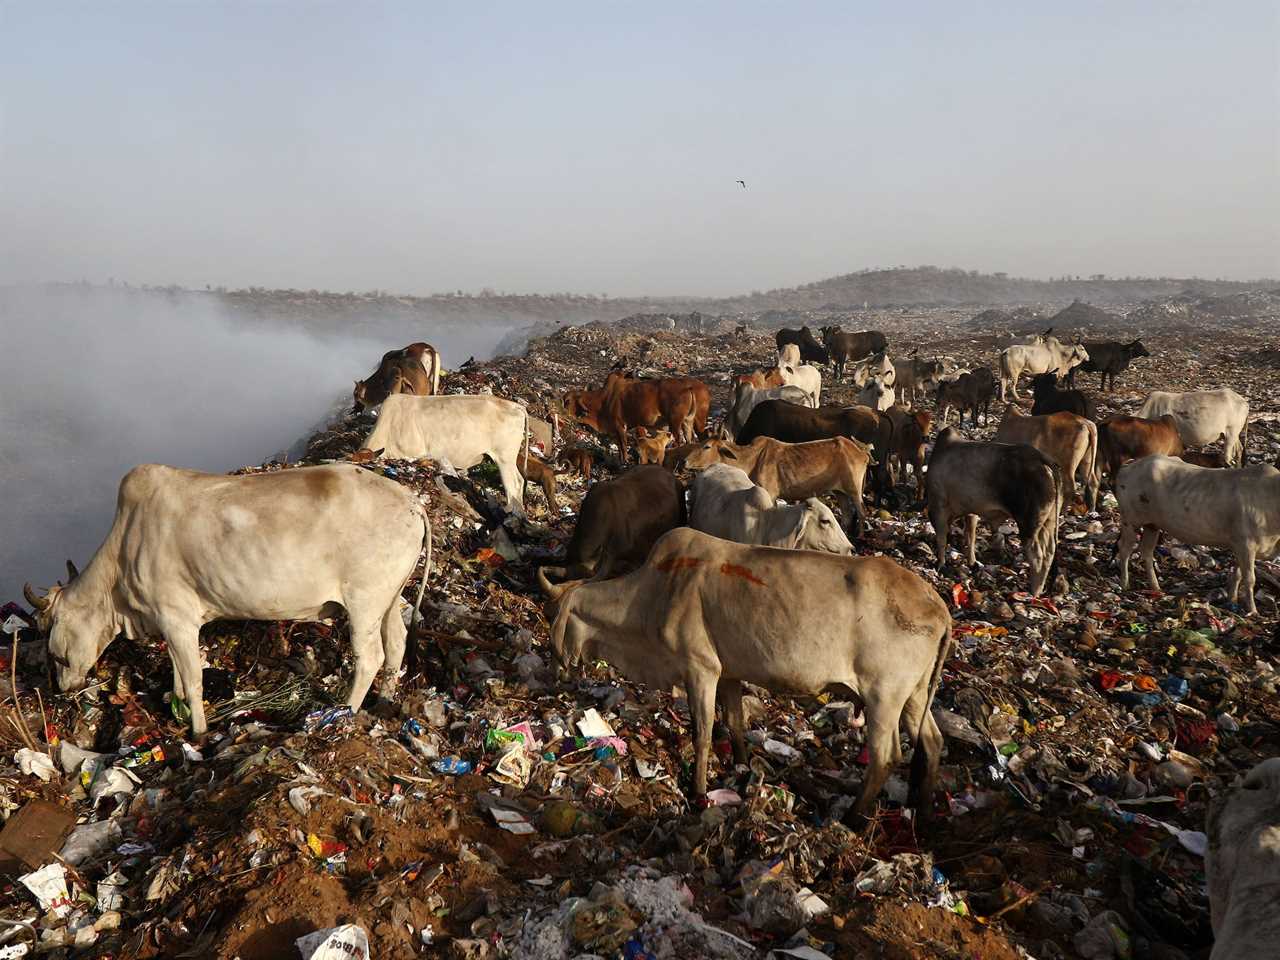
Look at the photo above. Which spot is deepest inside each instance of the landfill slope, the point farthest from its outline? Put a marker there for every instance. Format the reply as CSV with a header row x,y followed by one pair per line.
x,y
1086,733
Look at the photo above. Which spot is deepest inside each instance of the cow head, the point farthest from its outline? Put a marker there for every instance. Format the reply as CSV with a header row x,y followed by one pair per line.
x,y
1136,349
360,397
1077,355
819,530
709,454
1044,382
828,333
79,627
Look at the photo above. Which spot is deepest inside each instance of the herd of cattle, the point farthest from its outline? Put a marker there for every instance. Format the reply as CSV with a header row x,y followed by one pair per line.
x,y
659,580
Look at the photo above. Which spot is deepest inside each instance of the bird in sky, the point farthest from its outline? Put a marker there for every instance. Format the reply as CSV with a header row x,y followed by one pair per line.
x,y
743,182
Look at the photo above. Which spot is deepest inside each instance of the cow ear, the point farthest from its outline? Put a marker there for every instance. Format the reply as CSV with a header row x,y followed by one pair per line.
x,y
726,452
806,513
72,572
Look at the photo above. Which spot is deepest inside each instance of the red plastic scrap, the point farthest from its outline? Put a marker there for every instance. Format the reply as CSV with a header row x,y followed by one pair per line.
x,y
960,596
1107,679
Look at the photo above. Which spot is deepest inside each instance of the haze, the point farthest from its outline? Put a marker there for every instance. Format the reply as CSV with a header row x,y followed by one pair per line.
x,y
595,147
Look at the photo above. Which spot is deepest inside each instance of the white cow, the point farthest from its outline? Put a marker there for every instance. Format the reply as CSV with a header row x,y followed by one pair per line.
x,y
789,354
187,548
459,429
746,397
877,366
1035,358
876,395
807,378
1204,416
1243,866
728,505
1239,509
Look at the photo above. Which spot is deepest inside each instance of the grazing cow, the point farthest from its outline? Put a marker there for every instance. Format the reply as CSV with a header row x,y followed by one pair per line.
x,y
844,347
915,376
1242,865
878,367
187,548
807,378
458,428
1033,358
1239,509
1108,358
1121,439
728,505
417,367
1068,440
1212,459
675,456
1204,416
619,521
540,472
995,482
811,351
746,397
792,424
625,403
797,471
712,615
909,431
653,449
580,458
1049,399
970,392
876,395
789,354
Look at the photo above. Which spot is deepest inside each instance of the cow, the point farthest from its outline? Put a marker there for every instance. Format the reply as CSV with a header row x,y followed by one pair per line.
x,y
1108,358
1121,439
1239,509
995,482
1033,358
792,424
970,392
674,458
712,615
811,351
760,379
1049,399
909,431
746,397
807,378
726,504
186,548
624,403
653,448
789,353
844,347
914,376
877,366
1204,416
619,521
458,428
876,395
1068,440
797,471
418,367
1212,459
542,473
578,457
1242,865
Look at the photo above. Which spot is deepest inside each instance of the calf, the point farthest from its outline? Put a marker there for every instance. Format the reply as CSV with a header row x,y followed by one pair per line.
x,y
909,431
811,351
1049,399
653,449
728,505
970,392
620,520
539,471
1205,416
712,615
876,395
996,482
797,471
1068,440
844,347
417,367
747,396
1121,439
1242,865
1108,358
1239,509
789,353
807,378
1204,458
914,376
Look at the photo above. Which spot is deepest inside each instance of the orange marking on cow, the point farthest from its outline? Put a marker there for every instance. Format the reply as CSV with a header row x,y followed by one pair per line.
x,y
678,563
733,570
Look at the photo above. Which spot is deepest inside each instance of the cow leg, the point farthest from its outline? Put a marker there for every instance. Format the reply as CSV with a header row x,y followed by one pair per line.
x,y
927,738
1150,539
183,640
1128,538
883,744
179,688
938,517
393,642
512,484
971,537
366,646
701,691
1244,577
1039,546
734,717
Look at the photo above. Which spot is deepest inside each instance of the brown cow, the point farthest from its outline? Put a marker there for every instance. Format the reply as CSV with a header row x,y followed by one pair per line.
x,y
909,431
625,403
539,471
760,379
1069,440
416,367
1121,439
1213,459
796,471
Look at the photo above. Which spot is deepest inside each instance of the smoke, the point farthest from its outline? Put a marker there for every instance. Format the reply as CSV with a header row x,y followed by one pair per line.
x,y
98,380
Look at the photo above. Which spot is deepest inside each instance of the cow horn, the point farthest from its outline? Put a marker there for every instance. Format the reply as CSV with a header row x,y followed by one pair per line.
x,y
72,572
554,591
37,603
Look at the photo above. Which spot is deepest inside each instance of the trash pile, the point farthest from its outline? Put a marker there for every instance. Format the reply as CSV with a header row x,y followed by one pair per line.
x,y
493,810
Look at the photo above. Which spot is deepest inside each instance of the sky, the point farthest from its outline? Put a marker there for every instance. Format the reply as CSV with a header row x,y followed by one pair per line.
x,y
595,147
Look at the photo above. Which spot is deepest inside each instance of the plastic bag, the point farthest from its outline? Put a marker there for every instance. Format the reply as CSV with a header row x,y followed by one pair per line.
x,y
348,942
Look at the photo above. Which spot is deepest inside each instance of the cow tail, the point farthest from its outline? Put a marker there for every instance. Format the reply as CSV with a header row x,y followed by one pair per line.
x,y
920,762
426,572
435,372
1057,521
1091,475
1244,439
1004,373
